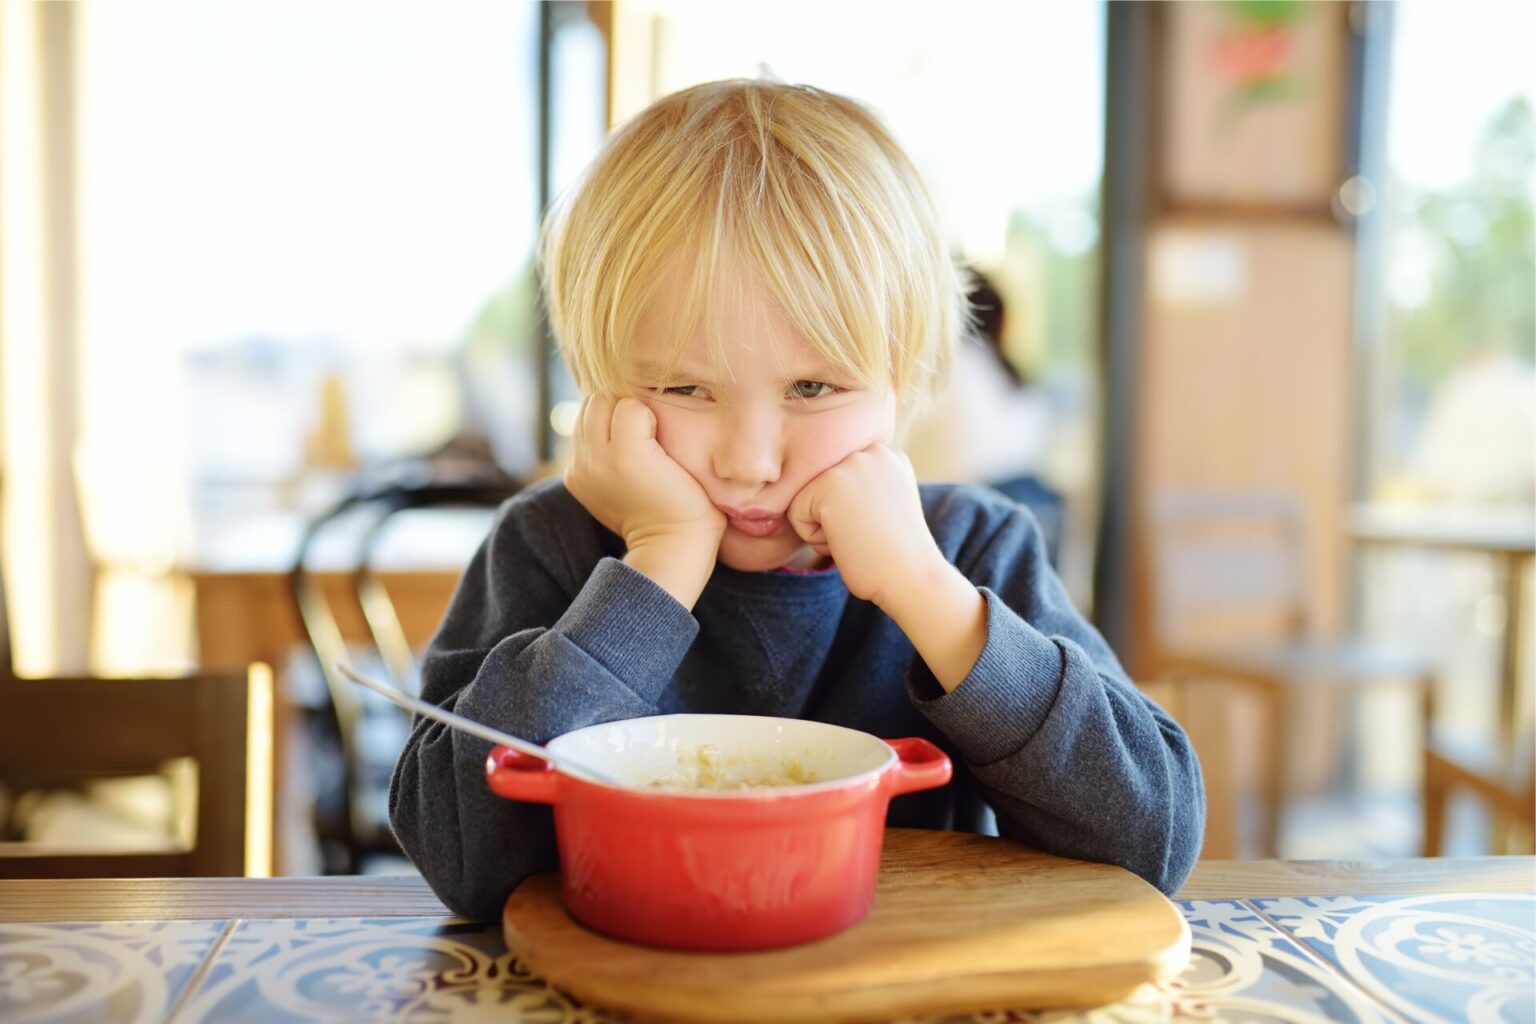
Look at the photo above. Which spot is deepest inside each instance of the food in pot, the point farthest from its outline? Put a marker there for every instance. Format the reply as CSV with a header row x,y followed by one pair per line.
x,y
705,767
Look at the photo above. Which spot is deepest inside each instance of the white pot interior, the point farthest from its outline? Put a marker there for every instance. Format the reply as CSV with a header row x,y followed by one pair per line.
x,y
711,754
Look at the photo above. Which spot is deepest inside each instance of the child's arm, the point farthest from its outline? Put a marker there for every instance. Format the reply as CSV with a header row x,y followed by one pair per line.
x,y
1074,759
546,635
865,512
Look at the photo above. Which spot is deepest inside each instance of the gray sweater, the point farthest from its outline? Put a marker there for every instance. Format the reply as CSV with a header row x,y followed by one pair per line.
x,y
549,631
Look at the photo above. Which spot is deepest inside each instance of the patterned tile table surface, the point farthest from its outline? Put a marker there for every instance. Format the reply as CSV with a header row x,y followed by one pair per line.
x,y
1447,957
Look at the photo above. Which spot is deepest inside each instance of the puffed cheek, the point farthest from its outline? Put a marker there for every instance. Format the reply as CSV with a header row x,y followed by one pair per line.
x,y
681,435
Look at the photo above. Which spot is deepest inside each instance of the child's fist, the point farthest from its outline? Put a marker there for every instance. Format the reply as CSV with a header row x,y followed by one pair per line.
x,y
866,513
620,473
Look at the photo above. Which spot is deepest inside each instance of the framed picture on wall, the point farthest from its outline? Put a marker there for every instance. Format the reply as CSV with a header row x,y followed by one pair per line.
x,y
1253,107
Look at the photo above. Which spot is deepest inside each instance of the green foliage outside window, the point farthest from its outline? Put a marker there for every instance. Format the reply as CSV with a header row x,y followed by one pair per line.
x,y
1478,243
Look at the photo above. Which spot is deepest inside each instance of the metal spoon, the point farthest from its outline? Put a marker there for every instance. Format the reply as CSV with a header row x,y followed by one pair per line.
x,y
474,728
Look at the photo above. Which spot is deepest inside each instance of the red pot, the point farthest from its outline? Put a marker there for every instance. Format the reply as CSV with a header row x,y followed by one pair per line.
x,y
720,869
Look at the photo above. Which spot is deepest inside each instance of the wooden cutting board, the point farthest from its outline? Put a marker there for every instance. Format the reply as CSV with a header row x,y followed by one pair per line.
x,y
961,923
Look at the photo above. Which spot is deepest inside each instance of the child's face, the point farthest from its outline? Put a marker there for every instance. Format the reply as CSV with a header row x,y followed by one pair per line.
x,y
760,423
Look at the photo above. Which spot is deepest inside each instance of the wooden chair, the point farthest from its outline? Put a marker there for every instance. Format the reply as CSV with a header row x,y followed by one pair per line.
x,y
1230,604
1507,785
6,670
57,731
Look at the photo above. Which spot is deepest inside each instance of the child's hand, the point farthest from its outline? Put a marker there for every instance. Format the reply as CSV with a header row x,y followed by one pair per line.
x,y
620,473
865,512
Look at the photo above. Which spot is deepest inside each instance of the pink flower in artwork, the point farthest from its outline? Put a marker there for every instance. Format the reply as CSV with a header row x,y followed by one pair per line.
x,y
1253,53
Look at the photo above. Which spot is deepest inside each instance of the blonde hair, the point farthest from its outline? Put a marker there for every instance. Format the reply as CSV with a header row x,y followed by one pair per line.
x,y
804,187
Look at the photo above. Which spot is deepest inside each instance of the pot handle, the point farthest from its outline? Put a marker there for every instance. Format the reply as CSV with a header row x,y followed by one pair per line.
x,y
519,776
920,765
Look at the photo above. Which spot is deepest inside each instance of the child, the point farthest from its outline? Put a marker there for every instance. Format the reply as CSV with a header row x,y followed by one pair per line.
x,y
751,289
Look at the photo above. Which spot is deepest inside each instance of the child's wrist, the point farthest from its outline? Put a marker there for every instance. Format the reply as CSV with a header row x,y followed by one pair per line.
x,y
913,588
945,617
914,596
680,564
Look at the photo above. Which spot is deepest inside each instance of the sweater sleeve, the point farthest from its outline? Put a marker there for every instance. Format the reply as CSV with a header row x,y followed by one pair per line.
x,y
531,648
1075,760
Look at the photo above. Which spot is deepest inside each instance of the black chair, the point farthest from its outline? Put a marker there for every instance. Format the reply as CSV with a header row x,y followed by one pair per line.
x,y
356,736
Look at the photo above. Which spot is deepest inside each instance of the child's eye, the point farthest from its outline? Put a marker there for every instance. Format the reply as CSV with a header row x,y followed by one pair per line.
x,y
812,389
684,391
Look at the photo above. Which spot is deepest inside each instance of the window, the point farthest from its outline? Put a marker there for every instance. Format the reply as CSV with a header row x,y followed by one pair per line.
x,y
306,234
1450,421
1454,420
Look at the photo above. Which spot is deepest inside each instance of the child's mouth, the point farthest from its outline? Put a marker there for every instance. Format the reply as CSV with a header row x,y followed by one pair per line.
x,y
756,526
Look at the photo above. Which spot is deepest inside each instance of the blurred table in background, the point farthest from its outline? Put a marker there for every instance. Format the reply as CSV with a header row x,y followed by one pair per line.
x,y
1507,536
245,607
250,616
1499,773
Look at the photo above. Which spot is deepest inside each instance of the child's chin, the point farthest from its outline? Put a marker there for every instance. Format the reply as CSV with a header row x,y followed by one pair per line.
x,y
751,555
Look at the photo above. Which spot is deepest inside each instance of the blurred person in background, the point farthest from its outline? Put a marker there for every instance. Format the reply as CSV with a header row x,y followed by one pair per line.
x,y
991,425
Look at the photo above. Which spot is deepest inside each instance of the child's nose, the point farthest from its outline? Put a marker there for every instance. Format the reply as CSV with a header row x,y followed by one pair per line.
x,y
750,449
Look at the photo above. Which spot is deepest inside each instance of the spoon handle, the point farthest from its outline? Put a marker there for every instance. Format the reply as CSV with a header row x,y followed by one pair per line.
x,y
468,725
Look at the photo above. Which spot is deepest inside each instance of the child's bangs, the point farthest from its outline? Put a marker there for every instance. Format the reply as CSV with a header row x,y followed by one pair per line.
x,y
802,191
819,308
719,234
826,281
637,231
692,272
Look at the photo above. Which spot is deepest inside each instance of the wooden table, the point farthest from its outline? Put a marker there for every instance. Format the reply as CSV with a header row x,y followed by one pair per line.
x,y
248,616
239,575
1361,940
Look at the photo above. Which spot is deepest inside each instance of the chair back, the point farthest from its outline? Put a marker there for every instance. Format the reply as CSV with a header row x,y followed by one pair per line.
x,y
57,732
352,818
1226,568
